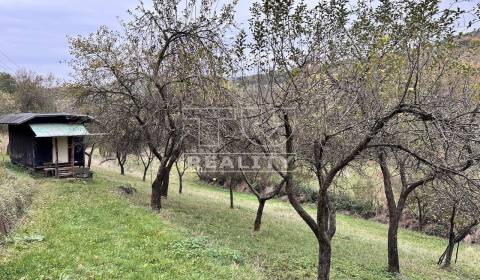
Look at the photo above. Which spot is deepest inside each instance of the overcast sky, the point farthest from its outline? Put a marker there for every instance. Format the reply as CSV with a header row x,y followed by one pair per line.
x,y
33,33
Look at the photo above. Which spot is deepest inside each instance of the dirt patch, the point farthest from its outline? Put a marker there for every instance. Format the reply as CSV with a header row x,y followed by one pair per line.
x,y
127,189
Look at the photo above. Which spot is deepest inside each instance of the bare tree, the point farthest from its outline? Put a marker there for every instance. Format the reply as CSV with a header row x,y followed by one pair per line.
x,y
429,149
263,195
121,141
456,207
341,79
181,171
121,156
420,208
164,59
146,157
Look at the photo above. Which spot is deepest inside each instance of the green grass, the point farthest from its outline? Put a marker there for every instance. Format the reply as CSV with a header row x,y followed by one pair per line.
x,y
91,232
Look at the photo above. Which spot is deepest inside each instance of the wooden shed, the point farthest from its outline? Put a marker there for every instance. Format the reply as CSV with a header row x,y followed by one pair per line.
x,y
51,142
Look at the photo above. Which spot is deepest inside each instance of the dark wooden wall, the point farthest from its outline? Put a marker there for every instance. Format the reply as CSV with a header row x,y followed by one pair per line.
x,y
21,139
42,151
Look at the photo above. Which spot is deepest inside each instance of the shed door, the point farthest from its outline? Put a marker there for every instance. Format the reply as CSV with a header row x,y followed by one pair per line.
x,y
62,150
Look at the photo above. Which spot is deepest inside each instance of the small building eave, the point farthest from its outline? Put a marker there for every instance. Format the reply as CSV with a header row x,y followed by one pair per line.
x,y
58,130
21,118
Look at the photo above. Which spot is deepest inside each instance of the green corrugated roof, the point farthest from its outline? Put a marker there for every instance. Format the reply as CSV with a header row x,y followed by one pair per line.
x,y
58,130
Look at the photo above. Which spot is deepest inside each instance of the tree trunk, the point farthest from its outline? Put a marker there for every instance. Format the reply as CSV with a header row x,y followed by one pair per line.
x,y
258,219
156,197
449,253
90,156
421,219
394,214
180,183
393,259
446,257
158,187
447,262
231,197
326,228
145,170
180,175
166,181
121,162
324,260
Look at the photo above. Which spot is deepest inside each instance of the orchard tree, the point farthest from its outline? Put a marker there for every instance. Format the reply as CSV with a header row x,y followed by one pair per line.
x,y
259,187
146,157
339,77
415,173
122,139
455,205
165,58
181,169
444,141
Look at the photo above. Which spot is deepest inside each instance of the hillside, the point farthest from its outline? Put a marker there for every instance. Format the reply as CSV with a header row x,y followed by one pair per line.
x,y
88,230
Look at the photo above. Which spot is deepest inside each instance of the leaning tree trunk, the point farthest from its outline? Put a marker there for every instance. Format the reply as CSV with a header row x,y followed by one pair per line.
x,y
145,170
258,218
446,258
449,253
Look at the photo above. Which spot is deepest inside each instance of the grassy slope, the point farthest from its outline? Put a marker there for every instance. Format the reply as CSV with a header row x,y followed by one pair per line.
x,y
107,236
93,233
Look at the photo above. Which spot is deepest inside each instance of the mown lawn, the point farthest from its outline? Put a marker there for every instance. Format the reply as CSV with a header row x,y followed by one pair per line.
x,y
92,232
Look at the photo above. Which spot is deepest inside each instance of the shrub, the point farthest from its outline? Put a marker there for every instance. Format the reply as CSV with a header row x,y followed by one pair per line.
x,y
306,193
345,202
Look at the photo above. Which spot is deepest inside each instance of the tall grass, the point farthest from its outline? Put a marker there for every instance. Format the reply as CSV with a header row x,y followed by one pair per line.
x,y
15,195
